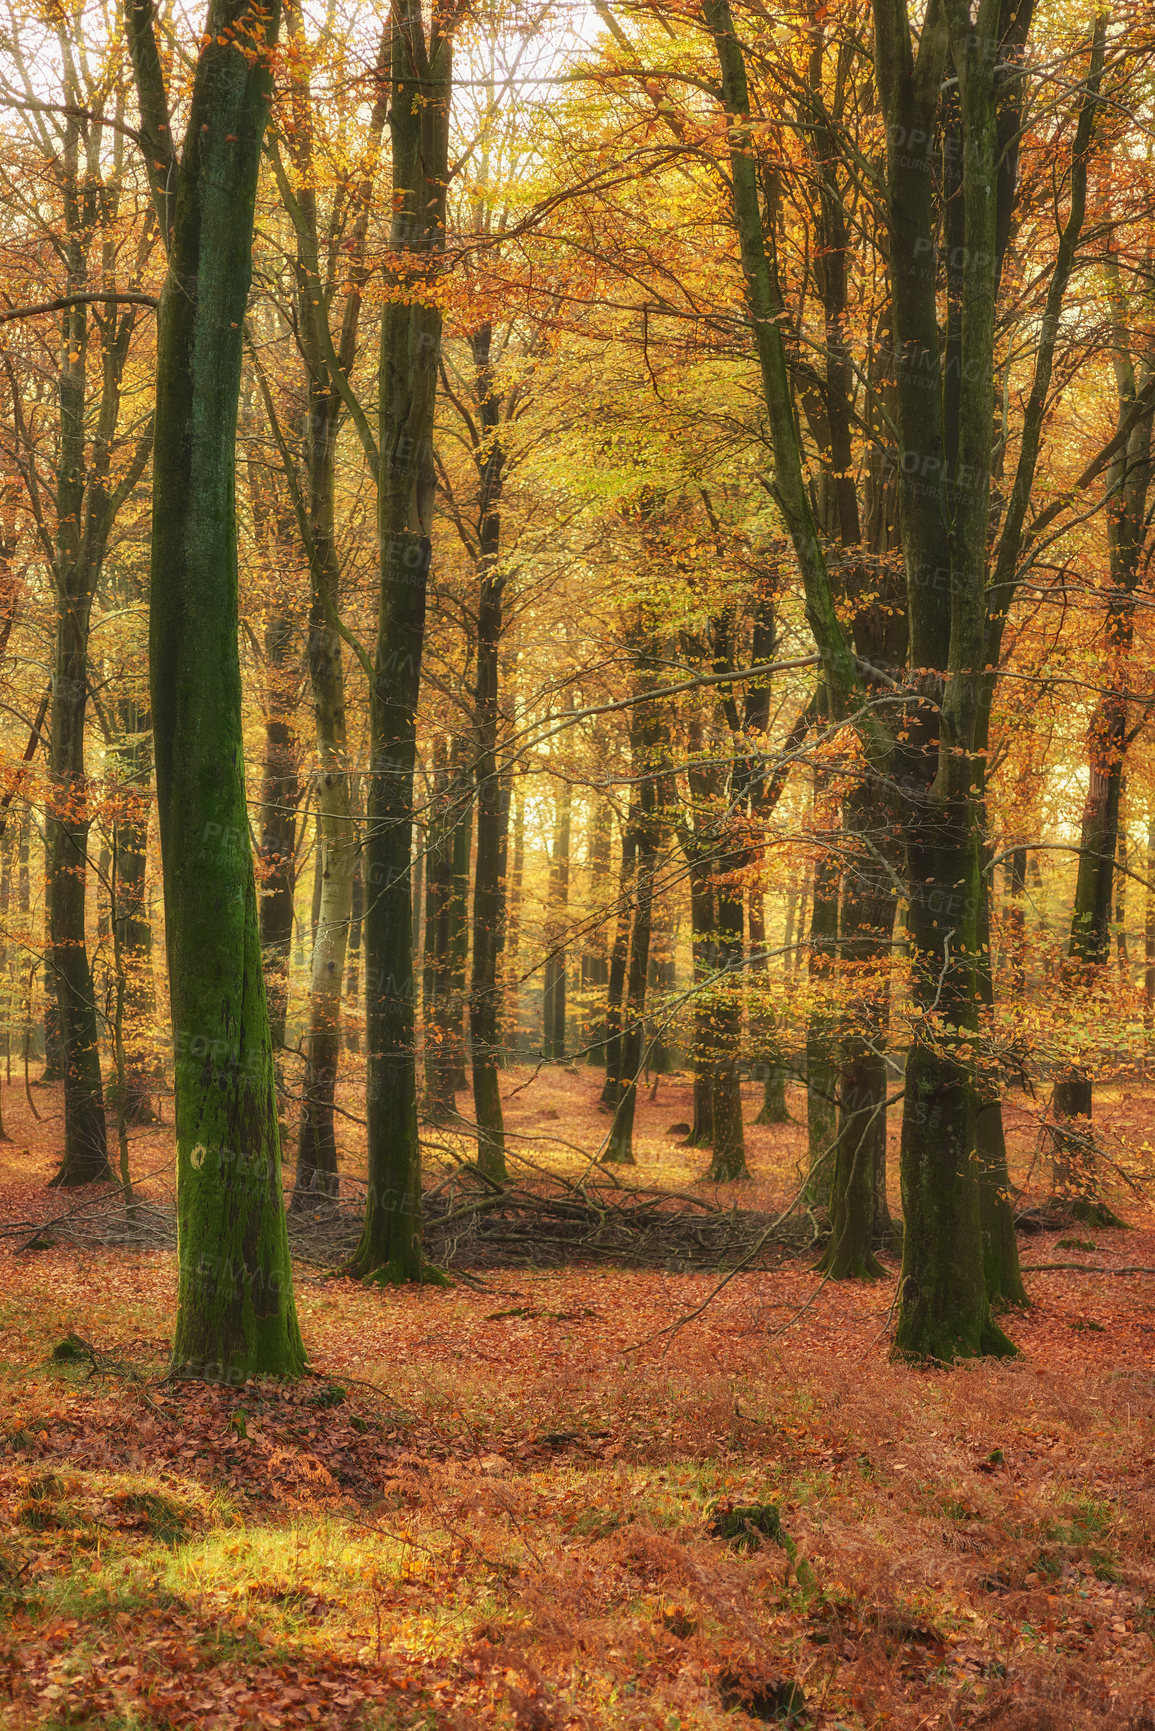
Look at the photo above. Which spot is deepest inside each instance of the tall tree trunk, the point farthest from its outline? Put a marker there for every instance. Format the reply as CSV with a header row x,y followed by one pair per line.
x,y
390,1246
235,1311
85,1158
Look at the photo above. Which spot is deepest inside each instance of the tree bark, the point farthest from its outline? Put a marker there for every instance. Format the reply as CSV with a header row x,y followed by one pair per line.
x,y
390,1247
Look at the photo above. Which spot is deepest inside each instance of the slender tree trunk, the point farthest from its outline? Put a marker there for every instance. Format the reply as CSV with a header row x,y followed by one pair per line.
x,y
704,948
280,798
620,1150
728,1158
85,1157
351,1024
511,948
619,959
390,1246
773,1109
557,916
317,1177
440,1104
646,736
1149,934
461,854
492,809
1074,1169
134,939
821,1069
595,964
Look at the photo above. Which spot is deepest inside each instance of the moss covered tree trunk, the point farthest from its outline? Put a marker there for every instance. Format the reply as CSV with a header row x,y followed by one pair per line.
x,y
236,1315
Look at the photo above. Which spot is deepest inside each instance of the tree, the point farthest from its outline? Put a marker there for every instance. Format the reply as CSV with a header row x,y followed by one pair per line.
x,y
236,1314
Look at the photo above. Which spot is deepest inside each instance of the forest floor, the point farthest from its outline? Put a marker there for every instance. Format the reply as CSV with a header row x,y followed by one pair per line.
x,y
503,1504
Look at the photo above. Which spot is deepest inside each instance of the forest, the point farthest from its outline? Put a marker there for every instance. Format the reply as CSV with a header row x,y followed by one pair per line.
x,y
577,864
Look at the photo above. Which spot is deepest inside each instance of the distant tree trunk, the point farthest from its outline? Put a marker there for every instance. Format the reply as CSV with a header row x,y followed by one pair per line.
x,y
280,798
595,957
1149,933
619,958
1073,1171
7,1003
492,811
350,1021
511,949
704,946
461,854
1016,884
440,1104
557,917
794,959
728,1160
821,1070
317,1176
662,981
1121,870
620,1150
773,1110
235,1312
134,939
646,742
